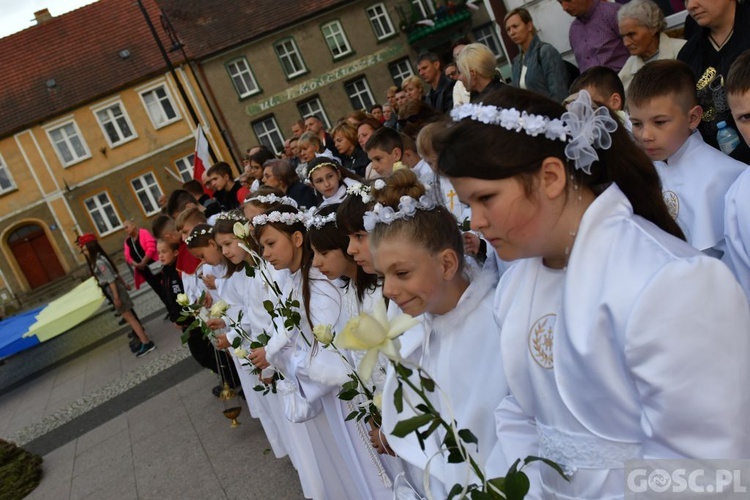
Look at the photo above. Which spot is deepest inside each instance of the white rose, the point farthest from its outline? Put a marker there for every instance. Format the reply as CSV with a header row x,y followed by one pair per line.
x,y
182,299
218,309
377,400
240,353
239,230
323,333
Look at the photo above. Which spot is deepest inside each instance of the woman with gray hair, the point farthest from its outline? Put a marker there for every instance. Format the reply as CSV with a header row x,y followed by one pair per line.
x,y
642,25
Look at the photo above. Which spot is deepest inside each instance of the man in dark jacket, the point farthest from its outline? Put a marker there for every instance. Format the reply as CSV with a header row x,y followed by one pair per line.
x,y
440,96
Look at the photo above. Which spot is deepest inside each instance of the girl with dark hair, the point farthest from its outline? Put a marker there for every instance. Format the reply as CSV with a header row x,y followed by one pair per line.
x,y
329,179
106,274
202,244
418,248
606,303
311,374
359,291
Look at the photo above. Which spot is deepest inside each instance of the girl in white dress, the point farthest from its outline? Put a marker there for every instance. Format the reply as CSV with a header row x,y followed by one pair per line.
x,y
311,374
620,341
418,248
329,179
359,291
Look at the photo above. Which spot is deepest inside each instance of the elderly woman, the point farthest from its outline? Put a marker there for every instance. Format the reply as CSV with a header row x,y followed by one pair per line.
x,y
477,70
414,88
722,36
539,66
642,27
280,174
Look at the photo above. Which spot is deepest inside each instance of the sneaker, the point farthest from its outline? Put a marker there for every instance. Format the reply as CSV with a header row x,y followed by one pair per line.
x,y
135,345
145,349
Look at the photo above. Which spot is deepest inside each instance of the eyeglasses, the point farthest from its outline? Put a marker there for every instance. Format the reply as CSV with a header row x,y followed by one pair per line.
x,y
452,74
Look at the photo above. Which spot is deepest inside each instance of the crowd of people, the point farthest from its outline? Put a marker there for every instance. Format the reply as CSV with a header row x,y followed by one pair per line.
x,y
559,266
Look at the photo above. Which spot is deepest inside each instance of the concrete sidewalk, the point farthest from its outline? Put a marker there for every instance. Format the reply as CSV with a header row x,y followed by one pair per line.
x,y
112,426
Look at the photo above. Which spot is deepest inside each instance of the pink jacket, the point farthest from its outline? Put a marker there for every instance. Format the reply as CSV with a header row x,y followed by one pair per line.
x,y
148,243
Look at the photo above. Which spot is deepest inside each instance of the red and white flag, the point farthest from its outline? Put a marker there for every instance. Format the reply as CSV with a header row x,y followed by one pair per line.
x,y
201,159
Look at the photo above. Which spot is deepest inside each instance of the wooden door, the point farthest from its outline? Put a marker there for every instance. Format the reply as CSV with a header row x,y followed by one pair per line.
x,y
35,255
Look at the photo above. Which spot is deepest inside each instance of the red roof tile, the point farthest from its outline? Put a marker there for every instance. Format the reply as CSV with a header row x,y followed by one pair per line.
x,y
80,52
210,26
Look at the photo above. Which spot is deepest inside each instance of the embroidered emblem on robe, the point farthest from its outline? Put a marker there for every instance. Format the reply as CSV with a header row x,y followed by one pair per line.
x,y
672,202
541,338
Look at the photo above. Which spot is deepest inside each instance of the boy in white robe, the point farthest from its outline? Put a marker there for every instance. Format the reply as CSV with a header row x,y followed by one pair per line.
x,y
695,177
737,202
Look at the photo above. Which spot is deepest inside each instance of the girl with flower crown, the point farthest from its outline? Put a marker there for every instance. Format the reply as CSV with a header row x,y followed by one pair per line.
x,y
359,292
619,340
417,246
329,180
311,374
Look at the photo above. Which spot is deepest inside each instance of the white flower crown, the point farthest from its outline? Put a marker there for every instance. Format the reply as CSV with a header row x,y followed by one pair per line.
x,y
288,218
364,191
195,234
584,128
321,165
318,221
407,207
271,199
232,215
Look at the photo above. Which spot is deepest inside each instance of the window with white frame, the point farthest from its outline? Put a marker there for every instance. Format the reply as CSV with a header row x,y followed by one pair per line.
x,y
313,107
115,123
380,21
6,181
486,35
399,70
242,77
147,191
69,143
423,8
290,58
336,39
359,93
160,107
103,213
185,166
268,133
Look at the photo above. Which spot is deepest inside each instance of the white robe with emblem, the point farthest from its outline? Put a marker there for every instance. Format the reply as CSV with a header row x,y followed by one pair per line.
x,y
650,356
695,180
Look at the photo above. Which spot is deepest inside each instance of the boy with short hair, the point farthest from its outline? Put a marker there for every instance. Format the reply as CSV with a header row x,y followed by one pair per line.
x,y
225,189
695,177
737,201
385,149
164,228
603,85
411,159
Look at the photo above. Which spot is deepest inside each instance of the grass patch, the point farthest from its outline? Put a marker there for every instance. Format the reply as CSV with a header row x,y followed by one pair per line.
x,y
20,471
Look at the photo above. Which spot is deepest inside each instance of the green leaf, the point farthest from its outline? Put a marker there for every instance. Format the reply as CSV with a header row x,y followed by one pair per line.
x,y
268,306
185,336
498,483
427,383
264,338
236,343
403,371
409,425
348,395
259,388
352,415
547,461
468,437
482,495
454,452
256,345
516,485
455,491
398,398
